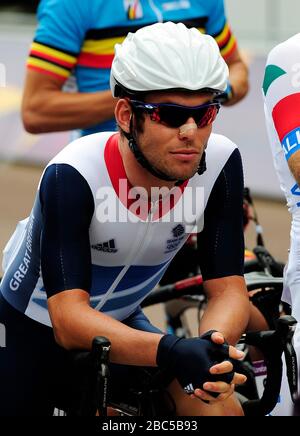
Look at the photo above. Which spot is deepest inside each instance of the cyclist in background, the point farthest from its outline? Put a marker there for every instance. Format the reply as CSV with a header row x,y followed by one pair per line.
x,y
77,38
111,211
281,89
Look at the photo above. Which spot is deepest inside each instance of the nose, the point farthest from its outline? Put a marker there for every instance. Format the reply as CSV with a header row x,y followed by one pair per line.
x,y
188,130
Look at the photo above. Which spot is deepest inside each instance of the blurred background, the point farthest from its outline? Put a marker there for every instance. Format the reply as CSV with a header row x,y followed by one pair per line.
x,y
258,25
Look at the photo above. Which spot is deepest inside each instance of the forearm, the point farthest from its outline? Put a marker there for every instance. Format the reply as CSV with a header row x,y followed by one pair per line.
x,y
54,110
76,324
228,312
238,77
294,165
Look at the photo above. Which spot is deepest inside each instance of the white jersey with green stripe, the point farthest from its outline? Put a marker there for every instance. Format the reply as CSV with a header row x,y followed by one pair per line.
x,y
281,90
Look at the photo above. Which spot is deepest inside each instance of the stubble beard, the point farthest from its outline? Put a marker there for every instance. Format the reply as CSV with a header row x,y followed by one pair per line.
x,y
162,166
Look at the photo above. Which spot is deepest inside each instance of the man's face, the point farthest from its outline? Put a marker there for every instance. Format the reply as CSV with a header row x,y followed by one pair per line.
x,y
176,155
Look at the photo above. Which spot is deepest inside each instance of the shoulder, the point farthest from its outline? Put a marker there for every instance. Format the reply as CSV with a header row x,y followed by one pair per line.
x,y
83,148
62,25
85,154
219,146
75,15
221,154
223,157
216,14
282,72
71,5
63,191
282,51
212,6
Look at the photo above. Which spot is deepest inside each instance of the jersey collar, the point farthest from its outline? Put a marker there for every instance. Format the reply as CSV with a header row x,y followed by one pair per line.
x,y
117,174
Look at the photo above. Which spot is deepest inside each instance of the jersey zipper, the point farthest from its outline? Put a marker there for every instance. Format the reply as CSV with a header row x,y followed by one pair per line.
x,y
130,259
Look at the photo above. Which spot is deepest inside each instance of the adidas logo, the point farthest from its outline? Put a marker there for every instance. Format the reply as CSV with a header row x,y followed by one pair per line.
x,y
189,389
107,247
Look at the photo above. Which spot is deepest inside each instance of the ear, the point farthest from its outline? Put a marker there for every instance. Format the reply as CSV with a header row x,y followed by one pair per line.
x,y
123,114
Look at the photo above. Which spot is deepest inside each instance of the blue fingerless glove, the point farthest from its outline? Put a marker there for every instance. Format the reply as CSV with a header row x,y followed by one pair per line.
x,y
189,360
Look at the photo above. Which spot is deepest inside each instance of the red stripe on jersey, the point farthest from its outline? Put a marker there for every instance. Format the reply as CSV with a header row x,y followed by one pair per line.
x,y
227,55
52,59
286,115
222,42
95,61
116,171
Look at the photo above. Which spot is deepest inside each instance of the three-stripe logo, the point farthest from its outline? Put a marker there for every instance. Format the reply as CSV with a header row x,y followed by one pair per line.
x,y
189,389
107,247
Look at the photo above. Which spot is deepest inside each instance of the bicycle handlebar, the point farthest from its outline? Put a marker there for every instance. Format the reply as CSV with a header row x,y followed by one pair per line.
x,y
194,286
100,359
290,356
267,261
91,374
191,286
258,227
257,280
273,344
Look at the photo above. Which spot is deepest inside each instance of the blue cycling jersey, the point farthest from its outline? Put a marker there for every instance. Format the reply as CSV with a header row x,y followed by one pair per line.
x,y
78,37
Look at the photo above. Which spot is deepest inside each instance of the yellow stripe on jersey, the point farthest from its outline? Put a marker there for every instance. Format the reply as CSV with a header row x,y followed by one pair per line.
x,y
223,35
52,52
228,48
47,66
105,46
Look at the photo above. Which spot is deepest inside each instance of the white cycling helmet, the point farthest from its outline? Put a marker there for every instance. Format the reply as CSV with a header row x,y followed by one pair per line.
x,y
168,56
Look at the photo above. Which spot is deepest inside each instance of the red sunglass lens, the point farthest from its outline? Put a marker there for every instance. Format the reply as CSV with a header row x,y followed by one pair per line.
x,y
209,116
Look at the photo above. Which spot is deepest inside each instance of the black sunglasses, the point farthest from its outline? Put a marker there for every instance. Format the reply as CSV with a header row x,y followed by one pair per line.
x,y
175,115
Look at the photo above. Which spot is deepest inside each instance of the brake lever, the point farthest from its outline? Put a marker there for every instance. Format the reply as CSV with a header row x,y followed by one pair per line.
x,y
100,353
286,327
273,344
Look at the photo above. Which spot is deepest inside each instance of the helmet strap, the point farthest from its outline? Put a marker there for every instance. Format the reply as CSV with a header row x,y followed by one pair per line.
x,y
202,165
140,157
133,145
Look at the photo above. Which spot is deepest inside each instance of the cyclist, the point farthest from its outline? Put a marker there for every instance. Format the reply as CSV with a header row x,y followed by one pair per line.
x,y
94,245
281,88
75,37
83,45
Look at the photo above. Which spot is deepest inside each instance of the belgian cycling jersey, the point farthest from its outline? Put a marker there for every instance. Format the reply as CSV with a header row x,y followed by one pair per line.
x,y
85,233
282,98
79,36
